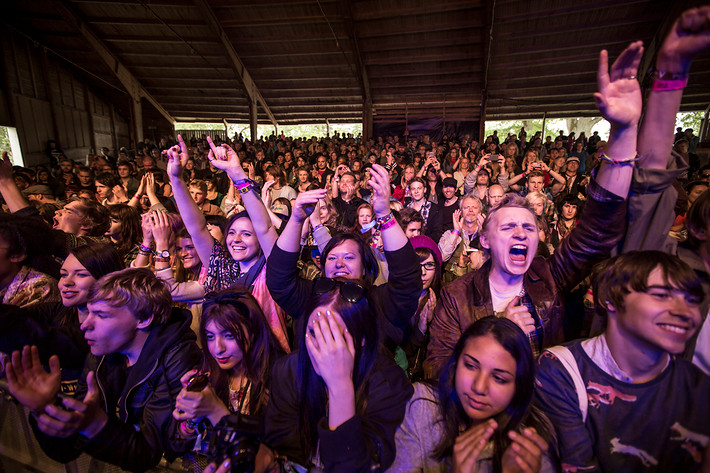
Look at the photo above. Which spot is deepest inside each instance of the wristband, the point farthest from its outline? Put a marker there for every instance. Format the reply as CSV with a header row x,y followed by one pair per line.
x,y
320,225
144,249
137,196
385,219
388,224
666,85
456,232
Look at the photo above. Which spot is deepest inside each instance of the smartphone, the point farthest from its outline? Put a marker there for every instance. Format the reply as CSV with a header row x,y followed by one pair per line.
x,y
197,383
494,157
537,165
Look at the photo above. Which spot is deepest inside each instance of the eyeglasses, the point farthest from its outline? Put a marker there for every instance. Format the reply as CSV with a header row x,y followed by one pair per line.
x,y
704,176
430,266
350,291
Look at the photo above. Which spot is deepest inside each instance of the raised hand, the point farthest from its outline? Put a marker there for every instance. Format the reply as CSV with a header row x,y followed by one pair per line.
x,y
524,455
458,220
380,183
689,36
619,98
177,158
225,158
162,229
469,446
520,314
120,193
5,167
304,201
265,194
85,417
27,380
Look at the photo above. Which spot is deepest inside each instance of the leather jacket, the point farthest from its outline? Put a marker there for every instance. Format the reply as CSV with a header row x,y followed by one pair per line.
x,y
547,281
139,400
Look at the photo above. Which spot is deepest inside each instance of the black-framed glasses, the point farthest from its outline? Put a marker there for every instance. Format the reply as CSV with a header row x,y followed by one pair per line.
x,y
350,291
429,266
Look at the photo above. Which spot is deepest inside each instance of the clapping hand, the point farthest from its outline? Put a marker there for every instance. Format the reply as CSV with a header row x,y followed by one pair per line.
x,y
27,380
469,446
331,349
524,454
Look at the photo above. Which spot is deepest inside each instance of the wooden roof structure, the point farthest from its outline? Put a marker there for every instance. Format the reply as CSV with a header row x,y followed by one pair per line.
x,y
305,61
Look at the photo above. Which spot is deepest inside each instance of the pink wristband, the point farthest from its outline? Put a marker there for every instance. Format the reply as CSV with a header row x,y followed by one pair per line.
x,y
387,224
666,85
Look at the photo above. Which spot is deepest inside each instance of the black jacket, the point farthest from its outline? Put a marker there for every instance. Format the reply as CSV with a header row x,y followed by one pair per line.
x,y
139,400
394,302
356,444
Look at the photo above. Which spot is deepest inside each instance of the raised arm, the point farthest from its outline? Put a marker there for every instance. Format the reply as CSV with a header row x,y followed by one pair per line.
x,y
619,101
191,214
393,236
689,36
226,159
290,239
12,195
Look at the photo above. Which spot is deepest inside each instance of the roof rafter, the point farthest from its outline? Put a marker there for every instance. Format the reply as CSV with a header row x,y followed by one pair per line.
x,y
244,77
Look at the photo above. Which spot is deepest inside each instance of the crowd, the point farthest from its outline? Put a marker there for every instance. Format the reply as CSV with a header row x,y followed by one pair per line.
x,y
397,305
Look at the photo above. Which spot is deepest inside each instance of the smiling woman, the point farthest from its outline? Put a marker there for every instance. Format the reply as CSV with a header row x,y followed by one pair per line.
x,y
479,418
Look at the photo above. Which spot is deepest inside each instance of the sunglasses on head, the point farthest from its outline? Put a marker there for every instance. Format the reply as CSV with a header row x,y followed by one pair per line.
x,y
350,291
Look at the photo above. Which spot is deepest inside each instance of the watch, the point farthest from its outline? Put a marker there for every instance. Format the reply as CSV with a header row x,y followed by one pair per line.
x,y
163,254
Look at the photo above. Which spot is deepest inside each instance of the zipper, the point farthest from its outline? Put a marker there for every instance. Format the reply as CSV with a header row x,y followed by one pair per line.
x,y
128,394
98,383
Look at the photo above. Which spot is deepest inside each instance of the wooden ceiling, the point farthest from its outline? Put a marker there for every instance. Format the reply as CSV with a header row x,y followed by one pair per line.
x,y
305,61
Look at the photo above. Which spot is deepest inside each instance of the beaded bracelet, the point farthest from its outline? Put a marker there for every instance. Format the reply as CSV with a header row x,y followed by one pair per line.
x,y
385,219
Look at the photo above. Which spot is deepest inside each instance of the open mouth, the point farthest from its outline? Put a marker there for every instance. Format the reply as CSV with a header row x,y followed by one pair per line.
x,y
519,253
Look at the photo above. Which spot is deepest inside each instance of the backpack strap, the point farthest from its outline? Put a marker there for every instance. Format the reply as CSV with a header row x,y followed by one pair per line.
x,y
567,359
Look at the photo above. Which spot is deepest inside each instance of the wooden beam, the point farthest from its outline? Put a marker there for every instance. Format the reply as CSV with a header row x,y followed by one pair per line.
x,y
243,75
362,78
127,79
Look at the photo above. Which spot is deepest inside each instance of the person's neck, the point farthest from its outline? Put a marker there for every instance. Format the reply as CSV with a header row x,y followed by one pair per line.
x,y
570,174
417,204
502,281
134,351
276,186
347,197
639,361
482,188
470,227
451,201
245,266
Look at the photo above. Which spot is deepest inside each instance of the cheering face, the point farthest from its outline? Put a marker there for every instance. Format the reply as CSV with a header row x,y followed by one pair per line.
x,y
187,253
223,346
512,238
449,192
114,231
485,378
663,318
241,240
344,261
69,218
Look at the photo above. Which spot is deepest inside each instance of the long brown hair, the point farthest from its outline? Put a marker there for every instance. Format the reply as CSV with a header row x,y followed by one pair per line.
x,y
237,311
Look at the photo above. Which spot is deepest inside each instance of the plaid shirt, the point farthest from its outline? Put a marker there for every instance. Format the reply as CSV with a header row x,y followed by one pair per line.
x,y
426,207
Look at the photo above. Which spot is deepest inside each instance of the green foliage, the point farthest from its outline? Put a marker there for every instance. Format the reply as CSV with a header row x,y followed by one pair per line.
x,y
5,141
689,120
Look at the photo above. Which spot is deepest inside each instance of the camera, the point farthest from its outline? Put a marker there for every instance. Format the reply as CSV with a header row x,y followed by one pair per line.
x,y
236,437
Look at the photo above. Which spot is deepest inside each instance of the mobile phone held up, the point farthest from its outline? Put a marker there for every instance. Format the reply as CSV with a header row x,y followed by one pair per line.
x,y
197,383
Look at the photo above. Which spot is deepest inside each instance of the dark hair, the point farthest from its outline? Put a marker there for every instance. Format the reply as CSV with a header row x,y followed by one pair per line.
x,y
234,218
131,232
409,215
278,173
16,245
99,259
518,412
369,261
615,278
423,254
237,311
358,318
95,216
108,179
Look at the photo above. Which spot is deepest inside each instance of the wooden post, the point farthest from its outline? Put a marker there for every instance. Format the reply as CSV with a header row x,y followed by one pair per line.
x,y
253,120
